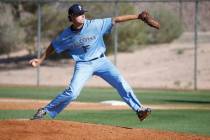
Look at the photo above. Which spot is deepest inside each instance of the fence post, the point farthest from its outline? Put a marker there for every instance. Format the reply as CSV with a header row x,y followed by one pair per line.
x,y
116,34
38,41
196,22
180,10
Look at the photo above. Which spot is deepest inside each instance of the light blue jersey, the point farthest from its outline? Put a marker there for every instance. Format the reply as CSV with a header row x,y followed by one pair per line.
x,y
86,44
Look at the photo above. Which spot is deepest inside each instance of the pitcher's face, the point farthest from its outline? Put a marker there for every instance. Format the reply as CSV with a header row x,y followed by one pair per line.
x,y
78,19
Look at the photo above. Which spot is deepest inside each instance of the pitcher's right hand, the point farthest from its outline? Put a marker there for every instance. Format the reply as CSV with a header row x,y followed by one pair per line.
x,y
35,62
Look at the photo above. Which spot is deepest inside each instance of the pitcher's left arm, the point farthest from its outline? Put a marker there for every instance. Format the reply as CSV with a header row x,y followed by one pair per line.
x,y
144,16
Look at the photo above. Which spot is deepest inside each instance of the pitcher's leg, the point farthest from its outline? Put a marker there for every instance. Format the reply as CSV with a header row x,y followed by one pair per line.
x,y
110,74
81,74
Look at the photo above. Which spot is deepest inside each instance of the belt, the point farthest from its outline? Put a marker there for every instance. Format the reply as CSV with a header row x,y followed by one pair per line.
x,y
102,55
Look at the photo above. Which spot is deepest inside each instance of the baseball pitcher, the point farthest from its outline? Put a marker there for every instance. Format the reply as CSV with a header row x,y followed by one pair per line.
x,y
83,41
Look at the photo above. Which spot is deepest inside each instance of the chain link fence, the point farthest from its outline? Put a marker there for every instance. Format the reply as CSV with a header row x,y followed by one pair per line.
x,y
176,56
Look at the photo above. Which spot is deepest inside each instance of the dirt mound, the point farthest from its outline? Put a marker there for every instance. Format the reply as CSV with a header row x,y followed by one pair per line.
x,y
65,130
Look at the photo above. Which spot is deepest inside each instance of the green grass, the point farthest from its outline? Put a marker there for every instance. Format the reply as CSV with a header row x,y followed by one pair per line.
x,y
188,121
101,94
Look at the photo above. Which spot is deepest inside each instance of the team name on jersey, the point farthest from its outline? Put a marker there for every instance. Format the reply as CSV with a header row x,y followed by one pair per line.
x,y
82,41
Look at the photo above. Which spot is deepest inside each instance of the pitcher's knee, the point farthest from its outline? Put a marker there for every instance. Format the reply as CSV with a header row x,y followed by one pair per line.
x,y
124,89
123,86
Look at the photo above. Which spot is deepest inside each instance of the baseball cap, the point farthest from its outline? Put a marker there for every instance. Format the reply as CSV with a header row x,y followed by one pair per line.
x,y
76,9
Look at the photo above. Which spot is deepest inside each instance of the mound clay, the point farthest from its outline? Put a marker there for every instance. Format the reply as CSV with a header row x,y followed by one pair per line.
x,y
66,130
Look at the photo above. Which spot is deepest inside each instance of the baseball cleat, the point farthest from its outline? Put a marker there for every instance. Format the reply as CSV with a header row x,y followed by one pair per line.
x,y
39,114
143,113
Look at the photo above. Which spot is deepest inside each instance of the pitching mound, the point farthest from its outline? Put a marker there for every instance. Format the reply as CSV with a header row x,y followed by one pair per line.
x,y
65,130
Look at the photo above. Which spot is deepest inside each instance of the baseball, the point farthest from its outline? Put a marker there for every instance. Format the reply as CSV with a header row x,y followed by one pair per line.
x,y
34,64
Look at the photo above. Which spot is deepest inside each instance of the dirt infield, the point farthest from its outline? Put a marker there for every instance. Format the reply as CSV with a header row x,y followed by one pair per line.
x,y
27,104
158,66
63,130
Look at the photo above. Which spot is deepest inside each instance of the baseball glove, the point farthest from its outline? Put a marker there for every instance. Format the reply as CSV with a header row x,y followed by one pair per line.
x,y
144,16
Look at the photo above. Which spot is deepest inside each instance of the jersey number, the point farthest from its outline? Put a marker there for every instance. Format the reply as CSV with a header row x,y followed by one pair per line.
x,y
85,48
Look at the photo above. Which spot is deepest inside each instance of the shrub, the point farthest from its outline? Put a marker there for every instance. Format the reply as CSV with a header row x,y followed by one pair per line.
x,y
54,20
134,34
11,35
131,35
171,27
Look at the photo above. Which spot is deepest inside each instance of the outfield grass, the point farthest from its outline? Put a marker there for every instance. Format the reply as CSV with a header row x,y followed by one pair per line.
x,y
188,121
102,94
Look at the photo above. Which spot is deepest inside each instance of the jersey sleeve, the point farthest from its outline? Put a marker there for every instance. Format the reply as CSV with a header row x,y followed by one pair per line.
x,y
58,45
104,25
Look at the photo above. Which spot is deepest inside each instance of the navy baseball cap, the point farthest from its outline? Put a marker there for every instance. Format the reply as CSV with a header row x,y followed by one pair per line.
x,y
76,9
